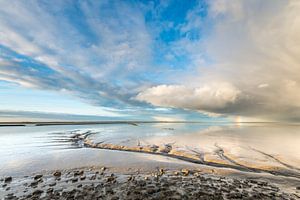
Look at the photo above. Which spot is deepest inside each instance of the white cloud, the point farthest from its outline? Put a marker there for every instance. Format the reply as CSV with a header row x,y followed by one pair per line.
x,y
208,97
251,45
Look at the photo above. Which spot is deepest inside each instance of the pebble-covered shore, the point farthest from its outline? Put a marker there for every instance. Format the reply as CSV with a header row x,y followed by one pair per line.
x,y
102,184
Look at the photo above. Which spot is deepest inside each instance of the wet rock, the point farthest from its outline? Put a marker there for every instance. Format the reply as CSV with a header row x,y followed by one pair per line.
x,y
110,179
10,196
38,176
108,190
93,177
130,178
34,183
7,179
57,174
49,190
52,184
82,177
185,172
78,173
74,180
37,192
161,171
141,183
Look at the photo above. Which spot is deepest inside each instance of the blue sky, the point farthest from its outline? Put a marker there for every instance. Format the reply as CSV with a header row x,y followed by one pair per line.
x,y
150,60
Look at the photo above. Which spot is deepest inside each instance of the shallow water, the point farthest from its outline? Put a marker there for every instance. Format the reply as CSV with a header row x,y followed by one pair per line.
x,y
36,148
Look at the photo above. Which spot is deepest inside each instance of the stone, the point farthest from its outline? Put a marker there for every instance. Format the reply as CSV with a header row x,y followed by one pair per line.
x,y
52,184
7,179
74,180
34,184
185,172
37,192
78,173
57,174
38,176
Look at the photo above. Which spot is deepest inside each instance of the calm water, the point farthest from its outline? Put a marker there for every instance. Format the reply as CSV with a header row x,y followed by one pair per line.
x,y
36,148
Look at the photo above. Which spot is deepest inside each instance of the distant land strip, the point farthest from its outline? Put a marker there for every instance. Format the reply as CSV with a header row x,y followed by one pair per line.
x,y
134,123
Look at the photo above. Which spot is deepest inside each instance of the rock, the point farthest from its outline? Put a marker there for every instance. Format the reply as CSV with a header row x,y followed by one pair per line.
x,y
52,184
108,190
7,179
103,169
151,190
37,192
78,173
130,178
110,179
57,174
38,176
82,177
185,172
34,183
298,187
49,190
141,183
161,171
74,180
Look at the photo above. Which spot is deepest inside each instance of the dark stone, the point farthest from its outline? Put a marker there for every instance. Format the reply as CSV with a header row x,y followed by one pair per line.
x,y
38,176
7,179
37,192
57,174
74,180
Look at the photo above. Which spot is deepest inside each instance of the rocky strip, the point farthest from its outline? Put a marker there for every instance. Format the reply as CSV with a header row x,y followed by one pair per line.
x,y
92,183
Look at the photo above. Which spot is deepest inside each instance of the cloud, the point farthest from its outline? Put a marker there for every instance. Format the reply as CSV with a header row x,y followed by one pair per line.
x,y
89,57
253,46
227,57
210,97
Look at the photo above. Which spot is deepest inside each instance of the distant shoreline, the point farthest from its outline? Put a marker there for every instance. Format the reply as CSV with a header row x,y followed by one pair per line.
x,y
134,123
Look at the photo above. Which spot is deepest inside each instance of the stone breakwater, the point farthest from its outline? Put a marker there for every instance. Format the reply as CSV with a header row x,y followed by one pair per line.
x,y
100,183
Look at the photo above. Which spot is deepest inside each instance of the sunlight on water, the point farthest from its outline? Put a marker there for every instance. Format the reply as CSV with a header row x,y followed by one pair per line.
x,y
259,145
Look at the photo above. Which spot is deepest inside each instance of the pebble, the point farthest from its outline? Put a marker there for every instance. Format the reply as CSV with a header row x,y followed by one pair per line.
x,y
37,192
142,186
57,174
52,184
38,176
185,172
7,179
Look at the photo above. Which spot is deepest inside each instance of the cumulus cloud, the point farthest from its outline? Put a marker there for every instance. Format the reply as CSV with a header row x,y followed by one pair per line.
x,y
254,47
208,97
233,57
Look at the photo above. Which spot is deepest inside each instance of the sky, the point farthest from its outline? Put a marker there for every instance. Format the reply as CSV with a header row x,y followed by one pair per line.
x,y
150,60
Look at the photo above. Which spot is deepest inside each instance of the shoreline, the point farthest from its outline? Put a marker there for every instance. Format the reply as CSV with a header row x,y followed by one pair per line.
x,y
105,183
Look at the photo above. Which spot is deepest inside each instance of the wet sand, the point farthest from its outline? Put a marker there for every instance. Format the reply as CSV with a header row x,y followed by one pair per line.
x,y
103,183
152,167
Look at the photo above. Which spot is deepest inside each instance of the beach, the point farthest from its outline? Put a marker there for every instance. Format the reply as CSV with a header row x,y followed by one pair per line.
x,y
150,161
